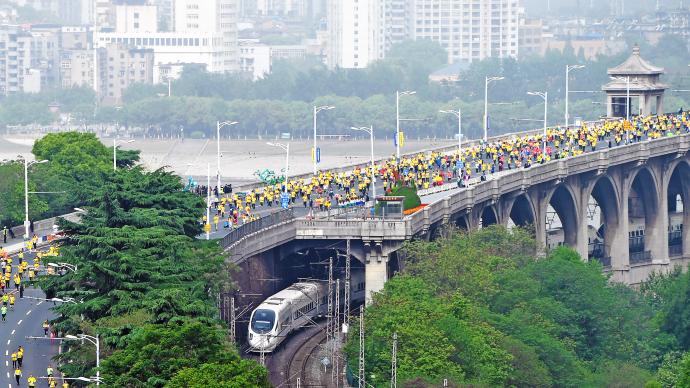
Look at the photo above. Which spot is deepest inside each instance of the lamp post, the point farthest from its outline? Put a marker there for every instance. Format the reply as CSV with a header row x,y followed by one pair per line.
x,y
117,143
545,96
487,81
286,148
95,341
627,102
208,202
27,223
458,114
370,131
56,300
70,267
627,94
318,109
399,94
220,125
568,69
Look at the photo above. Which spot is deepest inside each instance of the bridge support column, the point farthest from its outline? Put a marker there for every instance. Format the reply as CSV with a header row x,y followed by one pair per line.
x,y
541,206
375,274
659,240
619,237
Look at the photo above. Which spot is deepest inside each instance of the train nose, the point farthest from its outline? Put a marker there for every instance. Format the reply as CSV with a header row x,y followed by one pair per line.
x,y
259,341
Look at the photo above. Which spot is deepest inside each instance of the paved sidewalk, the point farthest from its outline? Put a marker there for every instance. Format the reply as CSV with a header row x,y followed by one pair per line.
x,y
15,244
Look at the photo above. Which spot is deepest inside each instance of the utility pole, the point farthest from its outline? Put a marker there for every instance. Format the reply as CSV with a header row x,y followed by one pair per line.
x,y
335,372
329,316
361,375
233,319
348,286
394,362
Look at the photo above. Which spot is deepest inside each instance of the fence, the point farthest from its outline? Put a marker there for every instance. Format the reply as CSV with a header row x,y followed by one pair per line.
x,y
640,257
675,250
257,225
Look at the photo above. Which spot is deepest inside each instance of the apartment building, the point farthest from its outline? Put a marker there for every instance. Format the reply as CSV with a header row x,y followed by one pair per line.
x,y
27,58
469,30
361,31
217,17
356,33
122,66
204,32
136,18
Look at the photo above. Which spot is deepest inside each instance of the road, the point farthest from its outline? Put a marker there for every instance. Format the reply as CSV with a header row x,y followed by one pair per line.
x,y
24,321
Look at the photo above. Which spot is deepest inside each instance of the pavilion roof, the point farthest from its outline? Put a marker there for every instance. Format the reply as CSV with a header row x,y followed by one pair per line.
x,y
635,65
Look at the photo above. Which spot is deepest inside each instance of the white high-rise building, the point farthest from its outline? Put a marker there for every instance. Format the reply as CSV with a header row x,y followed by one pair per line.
x,y
356,32
136,18
469,30
205,33
361,31
293,8
211,17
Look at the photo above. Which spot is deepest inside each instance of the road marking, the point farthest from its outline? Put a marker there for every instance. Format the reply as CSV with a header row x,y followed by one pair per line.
x,y
19,323
28,312
7,352
12,332
8,342
39,303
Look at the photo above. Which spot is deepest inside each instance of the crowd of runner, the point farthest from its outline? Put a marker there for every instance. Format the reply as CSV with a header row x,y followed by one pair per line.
x,y
327,189
16,273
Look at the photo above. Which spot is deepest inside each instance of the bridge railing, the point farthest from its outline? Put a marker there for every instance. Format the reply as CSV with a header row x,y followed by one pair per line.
x,y
675,250
640,257
255,226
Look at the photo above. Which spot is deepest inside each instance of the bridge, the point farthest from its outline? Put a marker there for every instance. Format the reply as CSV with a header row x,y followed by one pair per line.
x,y
646,182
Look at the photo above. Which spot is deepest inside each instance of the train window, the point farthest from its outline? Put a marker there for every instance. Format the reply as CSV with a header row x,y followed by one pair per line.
x,y
263,321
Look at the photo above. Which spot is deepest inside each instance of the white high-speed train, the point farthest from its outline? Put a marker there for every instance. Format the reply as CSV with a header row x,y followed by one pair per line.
x,y
292,308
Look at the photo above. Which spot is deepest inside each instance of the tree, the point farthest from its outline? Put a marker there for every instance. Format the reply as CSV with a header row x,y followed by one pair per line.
x,y
155,353
238,374
482,302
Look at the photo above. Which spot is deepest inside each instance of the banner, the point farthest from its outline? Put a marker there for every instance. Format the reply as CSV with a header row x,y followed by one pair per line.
x,y
318,155
402,138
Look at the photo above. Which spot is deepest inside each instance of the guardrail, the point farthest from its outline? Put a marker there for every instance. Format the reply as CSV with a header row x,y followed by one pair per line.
x,y
640,257
255,226
675,250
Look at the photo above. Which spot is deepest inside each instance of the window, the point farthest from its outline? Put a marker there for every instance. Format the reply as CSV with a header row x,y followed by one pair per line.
x,y
263,321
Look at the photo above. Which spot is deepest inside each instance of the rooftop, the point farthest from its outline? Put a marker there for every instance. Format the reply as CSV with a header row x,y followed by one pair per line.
x,y
635,65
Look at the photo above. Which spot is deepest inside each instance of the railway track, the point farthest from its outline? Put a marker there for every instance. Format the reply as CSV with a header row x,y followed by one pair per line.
x,y
305,356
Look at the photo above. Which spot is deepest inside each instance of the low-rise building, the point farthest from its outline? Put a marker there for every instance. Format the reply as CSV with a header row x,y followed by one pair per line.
x,y
123,66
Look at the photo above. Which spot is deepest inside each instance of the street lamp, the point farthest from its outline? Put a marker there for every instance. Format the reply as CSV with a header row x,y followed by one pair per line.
x,y
85,379
545,96
117,143
370,131
70,267
397,119
286,148
627,102
627,94
458,114
318,109
487,81
568,69
56,300
220,125
27,223
95,341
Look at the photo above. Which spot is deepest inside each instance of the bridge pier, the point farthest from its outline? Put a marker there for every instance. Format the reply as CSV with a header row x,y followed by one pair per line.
x,y
375,275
